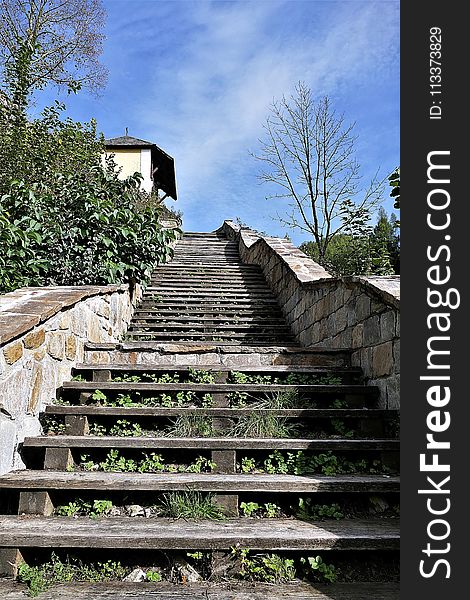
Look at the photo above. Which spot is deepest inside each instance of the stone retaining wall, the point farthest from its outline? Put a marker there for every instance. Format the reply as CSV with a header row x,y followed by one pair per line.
x,y
358,313
42,336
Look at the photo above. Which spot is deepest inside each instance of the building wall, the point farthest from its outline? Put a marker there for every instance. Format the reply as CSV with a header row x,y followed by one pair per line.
x,y
132,160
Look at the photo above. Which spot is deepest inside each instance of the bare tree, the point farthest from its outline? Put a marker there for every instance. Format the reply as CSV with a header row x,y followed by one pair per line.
x,y
57,41
309,152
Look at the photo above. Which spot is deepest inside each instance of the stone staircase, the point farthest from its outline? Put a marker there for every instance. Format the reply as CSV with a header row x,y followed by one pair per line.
x,y
296,442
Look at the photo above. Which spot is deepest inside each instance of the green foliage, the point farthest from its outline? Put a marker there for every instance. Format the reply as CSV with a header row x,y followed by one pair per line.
x,y
301,463
94,509
341,429
52,426
323,571
40,578
154,576
270,568
192,425
65,219
148,463
253,509
125,428
189,505
307,510
375,251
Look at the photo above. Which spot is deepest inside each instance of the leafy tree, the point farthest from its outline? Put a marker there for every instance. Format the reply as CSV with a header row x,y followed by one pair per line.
x,y
309,152
374,253
394,181
51,42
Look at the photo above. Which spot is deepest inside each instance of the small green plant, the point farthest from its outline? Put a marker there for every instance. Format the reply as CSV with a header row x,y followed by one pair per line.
x,y
191,425
97,429
40,578
78,377
307,510
249,508
124,428
154,576
248,465
200,376
270,568
115,462
126,378
98,396
321,569
189,505
268,510
94,509
53,426
340,428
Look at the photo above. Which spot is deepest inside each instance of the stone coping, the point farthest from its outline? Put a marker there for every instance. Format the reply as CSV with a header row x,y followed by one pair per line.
x,y
307,272
24,308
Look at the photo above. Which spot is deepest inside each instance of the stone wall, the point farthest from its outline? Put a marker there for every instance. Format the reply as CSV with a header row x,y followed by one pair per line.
x,y
42,336
358,313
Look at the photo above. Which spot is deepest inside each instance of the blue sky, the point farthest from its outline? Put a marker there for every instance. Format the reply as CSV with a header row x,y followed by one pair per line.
x,y
197,77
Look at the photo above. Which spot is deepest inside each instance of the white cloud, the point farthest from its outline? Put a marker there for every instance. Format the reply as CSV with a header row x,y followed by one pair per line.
x,y
209,90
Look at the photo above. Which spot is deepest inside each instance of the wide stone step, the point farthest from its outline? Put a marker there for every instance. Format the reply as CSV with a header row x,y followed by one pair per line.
x,y
370,391
219,336
165,325
203,482
274,370
166,534
216,320
213,443
305,413
226,288
210,591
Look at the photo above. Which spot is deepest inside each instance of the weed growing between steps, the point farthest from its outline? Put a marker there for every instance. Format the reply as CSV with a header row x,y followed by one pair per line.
x,y
176,505
40,578
243,564
304,463
147,463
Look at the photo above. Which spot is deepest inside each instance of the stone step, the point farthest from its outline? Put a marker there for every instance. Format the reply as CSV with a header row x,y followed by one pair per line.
x,y
169,354
347,374
254,308
229,289
216,320
210,293
212,443
369,391
166,534
209,591
231,339
252,329
204,482
304,413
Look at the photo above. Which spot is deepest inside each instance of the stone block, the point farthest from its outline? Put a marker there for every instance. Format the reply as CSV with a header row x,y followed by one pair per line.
x,y
65,321
397,325
56,344
393,391
382,359
7,443
36,390
357,336
71,347
396,356
372,331
341,317
338,298
34,339
13,352
387,325
382,385
39,354
363,309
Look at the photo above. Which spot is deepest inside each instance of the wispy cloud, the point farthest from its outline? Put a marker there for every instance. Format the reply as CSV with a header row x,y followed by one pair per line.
x,y
197,77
